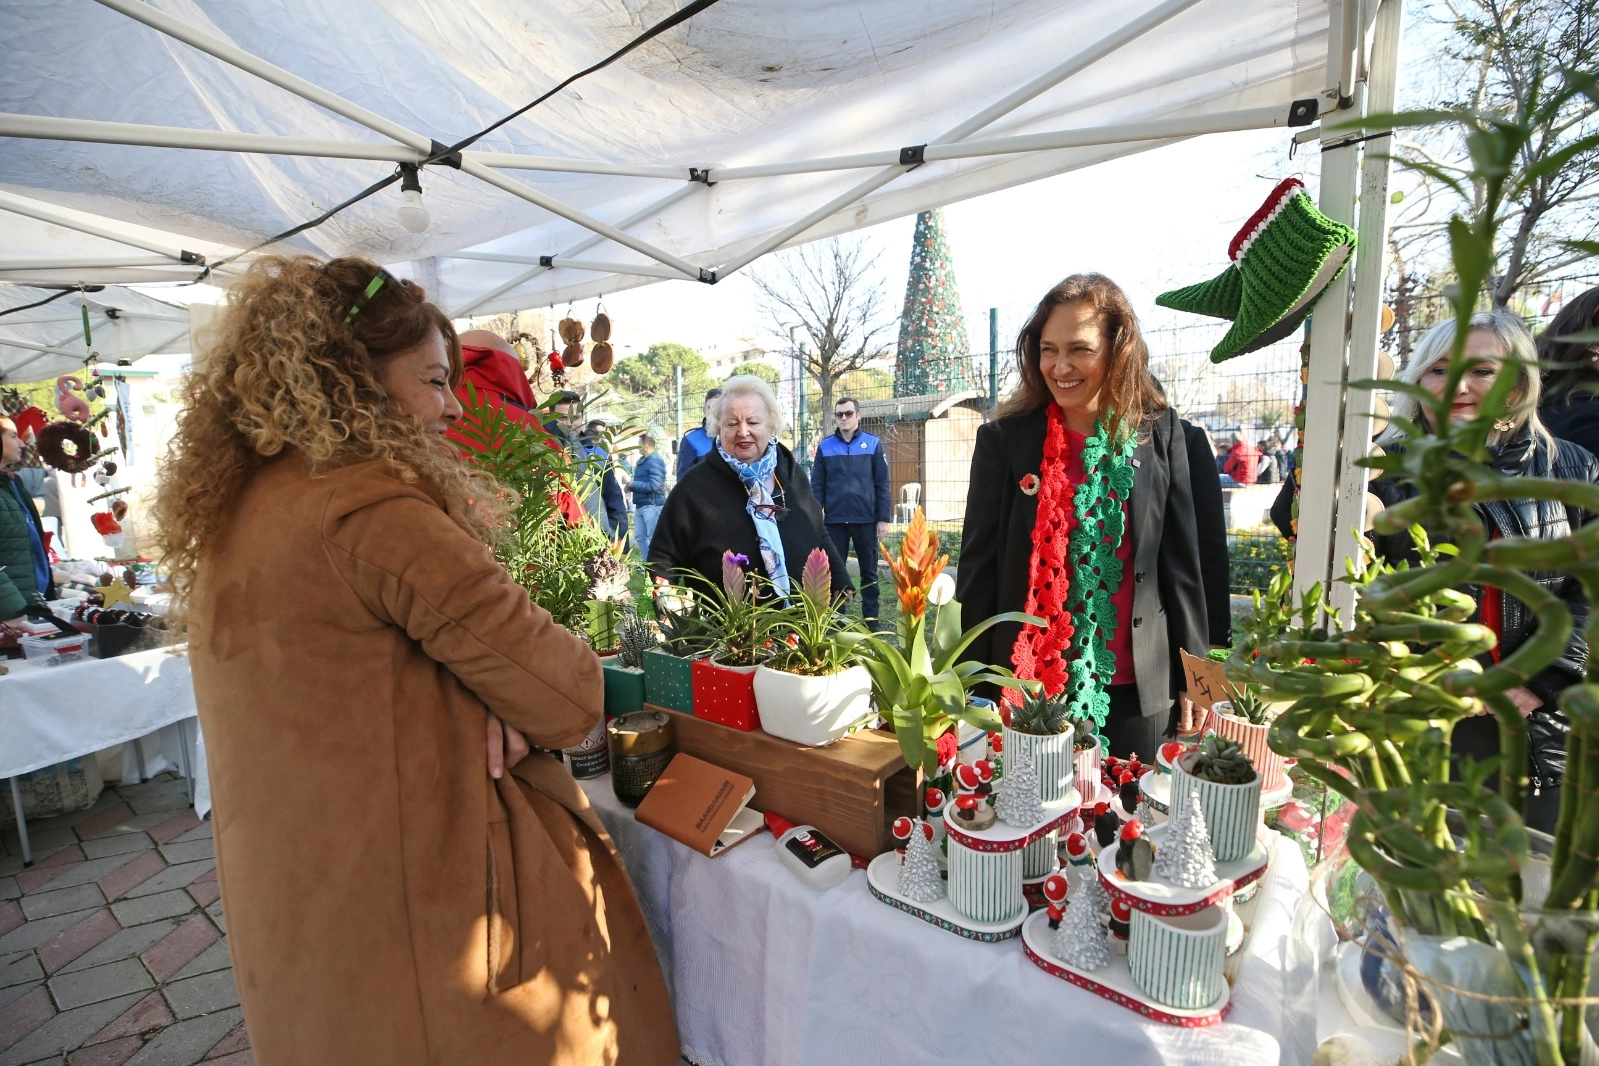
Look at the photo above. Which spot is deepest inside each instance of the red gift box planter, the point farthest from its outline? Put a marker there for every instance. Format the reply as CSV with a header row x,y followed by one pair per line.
x,y
725,694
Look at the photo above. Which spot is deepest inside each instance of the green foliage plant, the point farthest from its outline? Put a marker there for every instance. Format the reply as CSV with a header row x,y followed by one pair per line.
x,y
808,633
1042,715
1222,761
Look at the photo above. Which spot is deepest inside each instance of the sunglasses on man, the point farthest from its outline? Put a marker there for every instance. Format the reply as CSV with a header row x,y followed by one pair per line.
x,y
844,414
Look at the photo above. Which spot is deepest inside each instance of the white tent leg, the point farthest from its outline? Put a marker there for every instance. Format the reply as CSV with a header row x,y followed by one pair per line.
x,y
1090,55
1370,263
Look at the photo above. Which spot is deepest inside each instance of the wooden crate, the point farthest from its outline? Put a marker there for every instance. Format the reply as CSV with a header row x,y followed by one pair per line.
x,y
852,790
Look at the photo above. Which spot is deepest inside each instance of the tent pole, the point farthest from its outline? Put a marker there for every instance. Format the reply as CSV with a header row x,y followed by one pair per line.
x,y
29,209
1254,118
584,245
1004,106
556,262
1371,253
89,264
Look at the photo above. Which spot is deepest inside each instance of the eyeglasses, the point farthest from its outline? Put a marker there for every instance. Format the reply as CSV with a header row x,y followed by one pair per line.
x,y
382,278
774,511
844,414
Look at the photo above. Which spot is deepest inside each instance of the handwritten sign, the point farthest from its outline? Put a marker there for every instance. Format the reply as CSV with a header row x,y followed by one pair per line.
x,y
1207,681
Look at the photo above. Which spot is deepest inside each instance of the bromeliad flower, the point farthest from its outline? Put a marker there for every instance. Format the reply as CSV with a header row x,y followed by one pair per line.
x,y
1029,484
917,567
733,582
816,584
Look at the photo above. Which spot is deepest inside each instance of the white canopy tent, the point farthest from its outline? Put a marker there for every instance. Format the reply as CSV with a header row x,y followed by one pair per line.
x,y
153,141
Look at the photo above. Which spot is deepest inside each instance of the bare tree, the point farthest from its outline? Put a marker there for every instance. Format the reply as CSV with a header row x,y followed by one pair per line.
x,y
1496,57
831,292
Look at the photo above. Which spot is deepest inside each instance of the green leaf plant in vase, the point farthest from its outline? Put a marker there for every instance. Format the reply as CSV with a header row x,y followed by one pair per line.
x,y
919,684
812,689
742,620
624,675
1493,925
609,595
1224,778
1041,726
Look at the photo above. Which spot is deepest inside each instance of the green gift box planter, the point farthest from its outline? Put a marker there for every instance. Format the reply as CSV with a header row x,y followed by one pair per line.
x,y
624,690
667,681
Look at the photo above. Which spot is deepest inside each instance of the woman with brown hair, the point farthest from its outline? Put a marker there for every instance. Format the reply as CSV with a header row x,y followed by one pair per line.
x,y
1081,511
353,640
1571,373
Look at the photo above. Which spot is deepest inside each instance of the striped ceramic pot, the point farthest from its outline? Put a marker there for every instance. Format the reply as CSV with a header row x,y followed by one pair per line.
x,y
1232,812
1041,857
1177,961
1088,771
986,886
1250,737
1052,758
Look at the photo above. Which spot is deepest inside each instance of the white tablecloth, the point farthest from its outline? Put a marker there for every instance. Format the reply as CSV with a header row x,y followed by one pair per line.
x,y
766,971
49,714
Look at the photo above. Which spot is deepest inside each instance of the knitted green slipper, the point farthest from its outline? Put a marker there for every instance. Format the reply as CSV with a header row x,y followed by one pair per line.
x,y
1284,258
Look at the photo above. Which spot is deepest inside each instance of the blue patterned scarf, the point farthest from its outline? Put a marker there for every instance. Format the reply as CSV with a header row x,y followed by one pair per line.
x,y
754,476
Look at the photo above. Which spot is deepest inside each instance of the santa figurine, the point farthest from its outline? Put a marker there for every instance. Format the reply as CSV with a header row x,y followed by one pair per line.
x,y
972,810
1121,923
1055,896
902,829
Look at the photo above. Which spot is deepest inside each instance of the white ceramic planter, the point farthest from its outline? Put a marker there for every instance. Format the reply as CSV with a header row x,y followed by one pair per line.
x,y
1252,738
1177,962
1088,771
985,886
1052,757
1232,812
1041,857
812,710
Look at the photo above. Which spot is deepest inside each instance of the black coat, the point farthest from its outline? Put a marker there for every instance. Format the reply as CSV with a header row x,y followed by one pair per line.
x,y
705,516
1574,417
1169,612
1547,727
1210,516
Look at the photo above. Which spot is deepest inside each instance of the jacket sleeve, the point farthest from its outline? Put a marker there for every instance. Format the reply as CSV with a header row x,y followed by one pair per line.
x,y
977,576
670,545
12,601
1282,508
615,502
403,557
1187,623
885,488
819,479
650,476
685,457
1210,517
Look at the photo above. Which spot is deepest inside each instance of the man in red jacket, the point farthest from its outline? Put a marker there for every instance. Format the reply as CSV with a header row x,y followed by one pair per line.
x,y
1243,460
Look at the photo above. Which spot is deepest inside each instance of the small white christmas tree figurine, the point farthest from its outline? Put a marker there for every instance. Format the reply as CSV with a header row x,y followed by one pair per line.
x,y
1088,890
919,879
1080,940
1019,803
1145,812
1186,858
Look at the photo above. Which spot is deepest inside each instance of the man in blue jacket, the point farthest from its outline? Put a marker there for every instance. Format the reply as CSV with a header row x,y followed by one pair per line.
x,y
649,494
25,578
850,481
699,442
608,505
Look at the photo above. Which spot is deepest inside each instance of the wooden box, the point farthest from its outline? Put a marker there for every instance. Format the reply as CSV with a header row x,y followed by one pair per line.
x,y
851,790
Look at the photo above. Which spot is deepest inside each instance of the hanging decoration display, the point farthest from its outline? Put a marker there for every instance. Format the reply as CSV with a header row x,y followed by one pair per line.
x,y
571,331
933,355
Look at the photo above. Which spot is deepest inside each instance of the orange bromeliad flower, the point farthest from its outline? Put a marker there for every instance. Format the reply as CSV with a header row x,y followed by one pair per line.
x,y
918,564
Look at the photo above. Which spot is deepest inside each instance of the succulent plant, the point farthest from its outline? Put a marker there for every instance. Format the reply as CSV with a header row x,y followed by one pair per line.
x,y
684,632
634,636
608,578
1248,705
1041,715
1222,761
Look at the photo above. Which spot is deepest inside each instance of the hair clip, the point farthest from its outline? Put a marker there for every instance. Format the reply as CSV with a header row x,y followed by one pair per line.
x,y
380,279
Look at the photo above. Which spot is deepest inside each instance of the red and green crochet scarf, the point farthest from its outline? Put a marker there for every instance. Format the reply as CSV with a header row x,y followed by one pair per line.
x,y
1070,652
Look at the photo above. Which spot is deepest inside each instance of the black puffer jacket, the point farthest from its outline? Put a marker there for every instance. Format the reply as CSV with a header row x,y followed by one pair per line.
x,y
1523,457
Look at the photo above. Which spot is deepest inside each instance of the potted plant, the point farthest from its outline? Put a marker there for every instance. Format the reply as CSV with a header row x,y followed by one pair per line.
x,y
609,593
812,690
1042,727
624,675
724,683
1229,793
685,636
919,683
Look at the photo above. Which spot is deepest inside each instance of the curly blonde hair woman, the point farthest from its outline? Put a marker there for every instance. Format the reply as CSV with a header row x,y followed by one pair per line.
x,y
350,635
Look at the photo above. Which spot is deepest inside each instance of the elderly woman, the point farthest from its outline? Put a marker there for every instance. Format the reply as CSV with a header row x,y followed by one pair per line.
x,y
1519,446
1081,511
748,496
353,640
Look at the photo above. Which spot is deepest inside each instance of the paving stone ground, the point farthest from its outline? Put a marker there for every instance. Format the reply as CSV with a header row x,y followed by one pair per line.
x,y
113,949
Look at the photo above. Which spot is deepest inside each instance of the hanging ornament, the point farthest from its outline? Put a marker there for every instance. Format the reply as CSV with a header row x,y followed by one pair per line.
x,y
600,329
603,355
68,402
67,446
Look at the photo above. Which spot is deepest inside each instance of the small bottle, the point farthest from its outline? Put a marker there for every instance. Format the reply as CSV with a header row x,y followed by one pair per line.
x,y
814,859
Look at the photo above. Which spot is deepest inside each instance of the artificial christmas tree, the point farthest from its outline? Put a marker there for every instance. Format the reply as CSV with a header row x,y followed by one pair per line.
x,y
933,355
919,878
1185,857
1080,940
1019,804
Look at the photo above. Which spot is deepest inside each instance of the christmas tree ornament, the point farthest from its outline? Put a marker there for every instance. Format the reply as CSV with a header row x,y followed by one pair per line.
x,y
1283,259
1135,856
1080,940
919,877
1056,889
1121,922
933,354
1145,813
1019,804
1186,858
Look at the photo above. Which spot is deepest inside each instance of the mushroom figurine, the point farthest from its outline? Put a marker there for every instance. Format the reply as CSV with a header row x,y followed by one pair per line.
x,y
972,810
1055,898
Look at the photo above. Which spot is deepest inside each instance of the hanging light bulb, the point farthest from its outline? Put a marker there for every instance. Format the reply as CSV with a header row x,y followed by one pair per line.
x,y
413,216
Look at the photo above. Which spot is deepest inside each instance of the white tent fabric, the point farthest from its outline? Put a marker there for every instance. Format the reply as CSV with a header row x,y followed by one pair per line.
x,y
47,341
743,83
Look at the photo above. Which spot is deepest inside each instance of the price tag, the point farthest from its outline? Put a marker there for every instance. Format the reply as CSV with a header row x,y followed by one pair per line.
x,y
1207,681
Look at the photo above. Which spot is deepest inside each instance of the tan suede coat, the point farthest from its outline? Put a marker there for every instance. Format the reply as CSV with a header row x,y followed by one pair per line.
x,y
386,901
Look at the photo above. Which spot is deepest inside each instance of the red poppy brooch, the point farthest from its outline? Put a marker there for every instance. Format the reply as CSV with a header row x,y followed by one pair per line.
x,y
1029,484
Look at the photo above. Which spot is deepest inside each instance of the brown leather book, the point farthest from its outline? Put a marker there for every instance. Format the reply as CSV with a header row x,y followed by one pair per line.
x,y
701,805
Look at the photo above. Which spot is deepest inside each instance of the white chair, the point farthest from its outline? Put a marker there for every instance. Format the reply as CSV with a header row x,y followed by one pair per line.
x,y
910,495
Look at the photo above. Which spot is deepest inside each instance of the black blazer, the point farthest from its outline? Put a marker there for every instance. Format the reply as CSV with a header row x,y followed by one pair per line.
x,y
1210,515
705,516
1169,611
